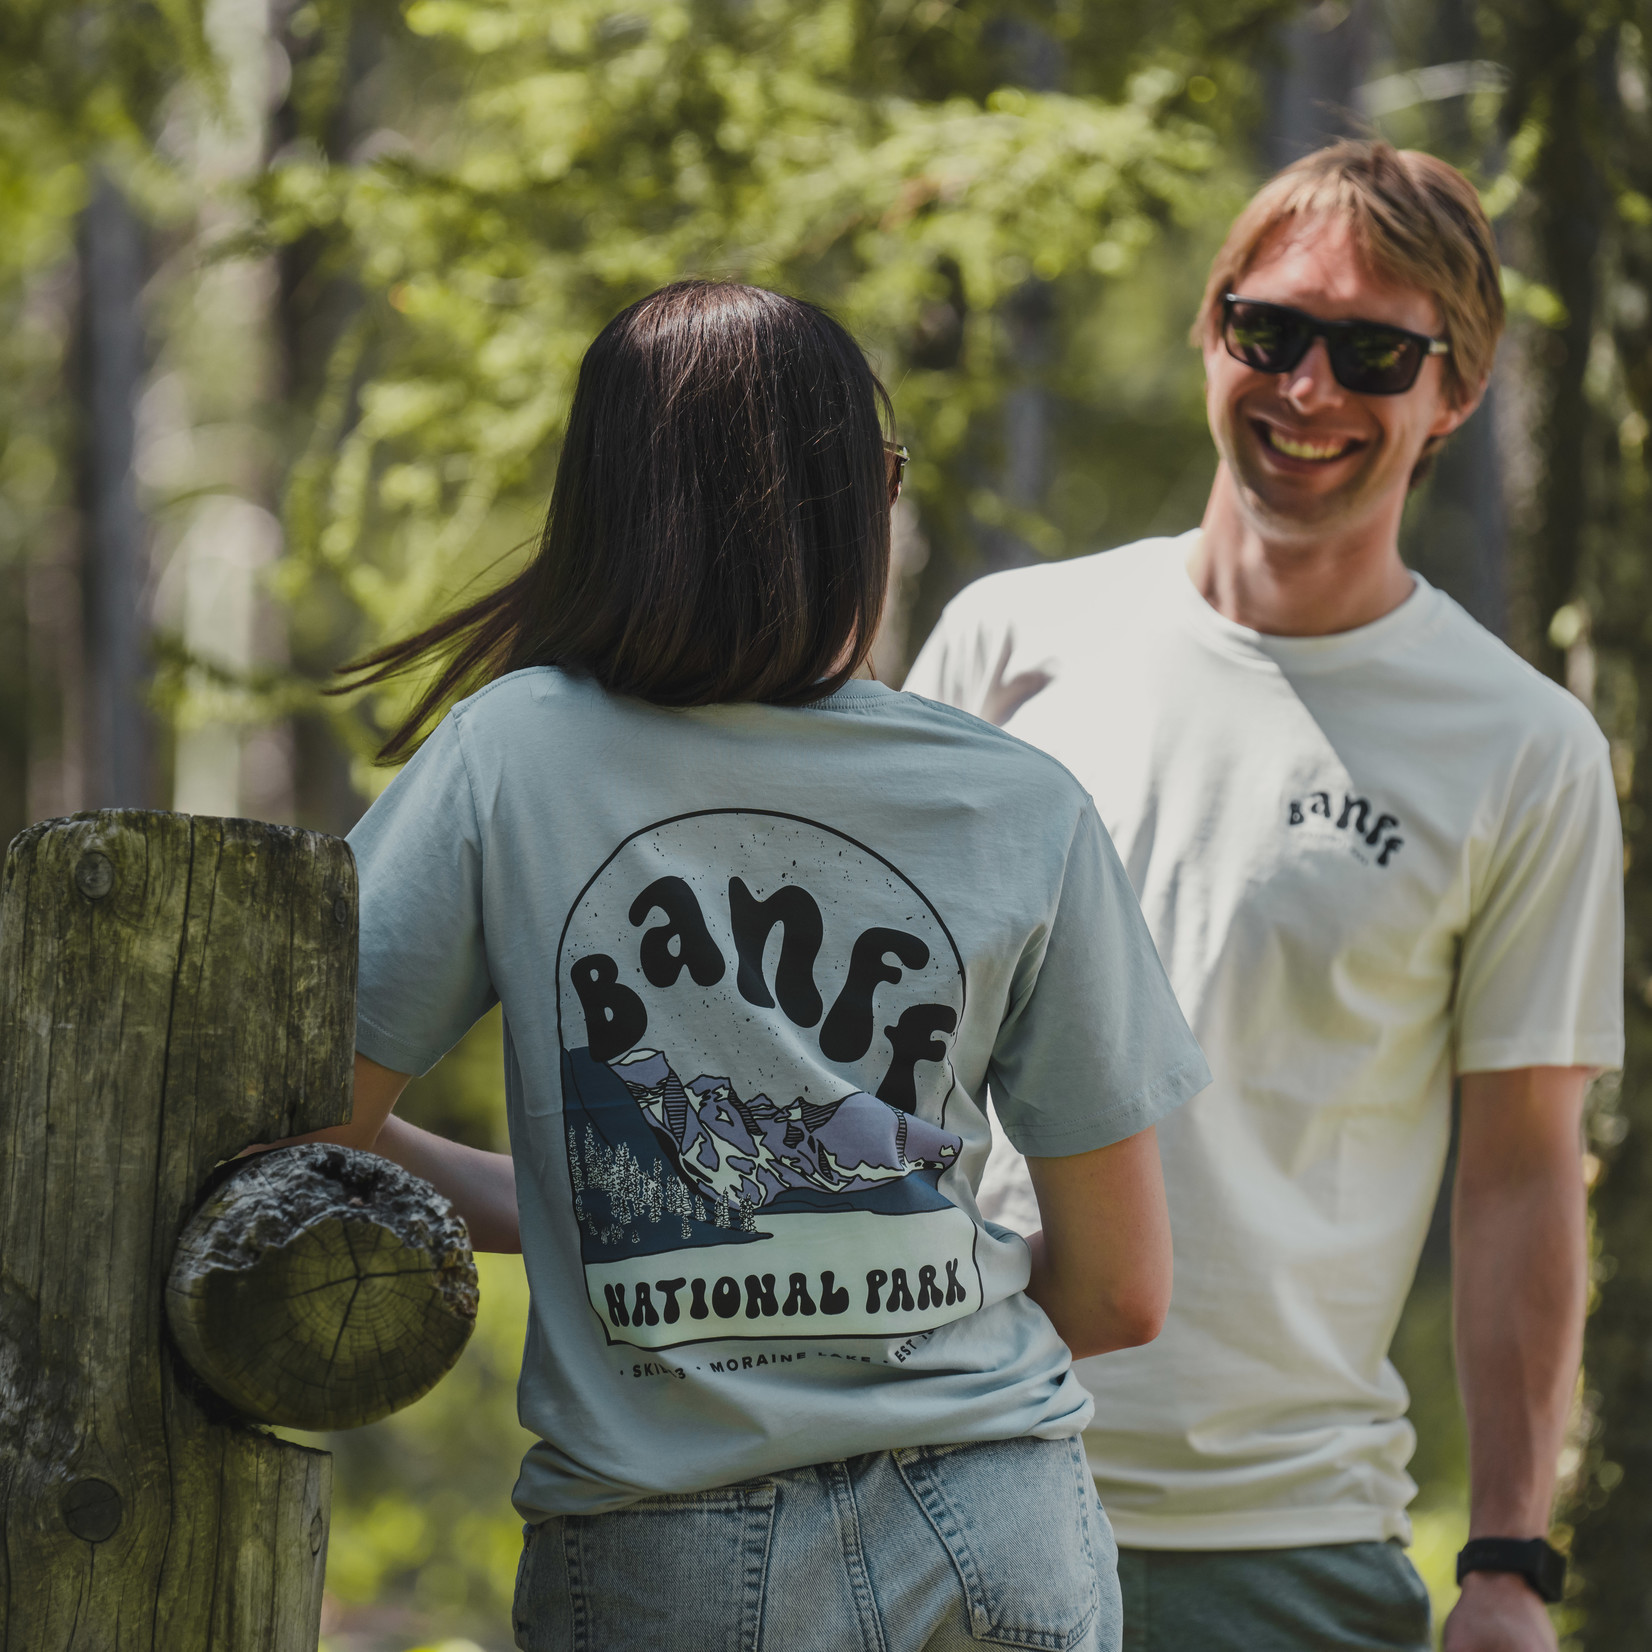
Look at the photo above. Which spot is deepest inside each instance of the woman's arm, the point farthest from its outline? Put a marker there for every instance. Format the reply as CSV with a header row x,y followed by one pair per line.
x,y
480,1186
1101,1266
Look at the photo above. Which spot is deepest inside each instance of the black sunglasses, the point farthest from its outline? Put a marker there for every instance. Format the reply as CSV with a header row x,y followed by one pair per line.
x,y
1370,358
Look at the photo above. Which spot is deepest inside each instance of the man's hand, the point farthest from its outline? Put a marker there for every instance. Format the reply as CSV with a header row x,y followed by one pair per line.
x,y
1006,695
1498,1612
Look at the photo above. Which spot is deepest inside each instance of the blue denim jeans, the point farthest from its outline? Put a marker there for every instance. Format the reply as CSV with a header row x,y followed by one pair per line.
x,y
939,1548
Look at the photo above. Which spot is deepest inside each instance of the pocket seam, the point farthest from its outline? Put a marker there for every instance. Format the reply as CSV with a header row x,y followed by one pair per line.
x,y
755,1504
914,1466
519,1626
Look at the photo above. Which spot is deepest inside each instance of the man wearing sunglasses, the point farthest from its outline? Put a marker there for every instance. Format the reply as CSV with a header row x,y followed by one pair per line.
x,y
1378,853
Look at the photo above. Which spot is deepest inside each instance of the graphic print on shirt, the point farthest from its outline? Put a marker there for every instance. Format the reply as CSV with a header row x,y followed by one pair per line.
x,y
1358,816
757,1016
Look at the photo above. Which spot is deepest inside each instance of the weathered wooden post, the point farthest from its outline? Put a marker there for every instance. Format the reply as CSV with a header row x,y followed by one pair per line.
x,y
173,989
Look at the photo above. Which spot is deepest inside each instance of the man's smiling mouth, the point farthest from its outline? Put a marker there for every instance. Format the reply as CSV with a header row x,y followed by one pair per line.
x,y
1320,451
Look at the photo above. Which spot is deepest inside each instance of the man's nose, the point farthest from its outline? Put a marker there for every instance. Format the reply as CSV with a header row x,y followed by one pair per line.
x,y
1311,384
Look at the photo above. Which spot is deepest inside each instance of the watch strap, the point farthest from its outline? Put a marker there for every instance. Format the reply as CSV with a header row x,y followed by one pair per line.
x,y
1543,1567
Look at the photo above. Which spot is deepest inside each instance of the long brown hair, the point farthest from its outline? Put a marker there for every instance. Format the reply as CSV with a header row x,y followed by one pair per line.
x,y
719,525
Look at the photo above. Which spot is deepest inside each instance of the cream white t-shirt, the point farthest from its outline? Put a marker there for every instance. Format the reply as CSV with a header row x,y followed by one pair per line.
x,y
1367,860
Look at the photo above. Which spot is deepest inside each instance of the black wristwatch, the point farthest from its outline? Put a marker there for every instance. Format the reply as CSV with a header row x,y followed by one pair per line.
x,y
1542,1567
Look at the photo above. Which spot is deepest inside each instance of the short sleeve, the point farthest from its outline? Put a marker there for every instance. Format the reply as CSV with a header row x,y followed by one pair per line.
x,y
1094,1048
423,977
1540,979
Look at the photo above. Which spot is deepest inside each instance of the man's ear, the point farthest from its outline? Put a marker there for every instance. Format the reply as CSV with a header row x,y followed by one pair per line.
x,y
1455,414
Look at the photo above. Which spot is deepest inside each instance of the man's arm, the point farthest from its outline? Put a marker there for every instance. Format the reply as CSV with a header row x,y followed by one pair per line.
x,y
1101,1264
1519,1266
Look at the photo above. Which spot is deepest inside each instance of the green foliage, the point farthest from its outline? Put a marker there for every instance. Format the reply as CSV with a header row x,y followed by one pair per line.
x,y
873,161
421,1514
1578,123
421,1502
79,84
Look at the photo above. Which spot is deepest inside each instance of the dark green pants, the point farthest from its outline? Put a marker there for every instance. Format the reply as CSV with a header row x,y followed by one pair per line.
x,y
1335,1597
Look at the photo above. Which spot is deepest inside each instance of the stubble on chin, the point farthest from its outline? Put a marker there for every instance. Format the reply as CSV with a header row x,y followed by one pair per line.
x,y
1284,512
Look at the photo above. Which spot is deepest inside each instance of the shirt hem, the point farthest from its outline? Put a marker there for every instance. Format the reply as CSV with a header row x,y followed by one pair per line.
x,y
1258,1529
1507,1055
544,1492
1149,1104
389,1051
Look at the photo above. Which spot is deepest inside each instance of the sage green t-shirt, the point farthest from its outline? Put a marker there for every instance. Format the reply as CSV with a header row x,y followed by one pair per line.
x,y
758,965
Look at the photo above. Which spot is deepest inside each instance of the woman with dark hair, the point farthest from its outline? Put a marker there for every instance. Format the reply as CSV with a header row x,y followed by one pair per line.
x,y
747,913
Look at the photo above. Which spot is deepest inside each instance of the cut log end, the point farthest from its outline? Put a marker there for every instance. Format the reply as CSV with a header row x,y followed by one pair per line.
x,y
321,1287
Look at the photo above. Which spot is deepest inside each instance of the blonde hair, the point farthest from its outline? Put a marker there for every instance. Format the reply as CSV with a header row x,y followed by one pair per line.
x,y
1416,222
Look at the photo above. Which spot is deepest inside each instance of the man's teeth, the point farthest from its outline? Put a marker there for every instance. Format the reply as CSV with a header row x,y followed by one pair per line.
x,y
1296,449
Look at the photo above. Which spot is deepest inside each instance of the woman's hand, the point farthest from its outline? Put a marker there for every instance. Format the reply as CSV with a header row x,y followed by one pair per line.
x,y
1101,1266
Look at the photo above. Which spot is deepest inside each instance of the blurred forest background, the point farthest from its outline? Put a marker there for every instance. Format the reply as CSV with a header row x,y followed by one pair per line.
x,y
292,293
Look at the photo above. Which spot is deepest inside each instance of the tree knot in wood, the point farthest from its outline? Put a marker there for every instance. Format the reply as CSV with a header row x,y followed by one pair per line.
x,y
94,875
92,1510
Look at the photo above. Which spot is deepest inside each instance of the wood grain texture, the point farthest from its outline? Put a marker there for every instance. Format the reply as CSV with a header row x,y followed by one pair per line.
x,y
171,990
322,1288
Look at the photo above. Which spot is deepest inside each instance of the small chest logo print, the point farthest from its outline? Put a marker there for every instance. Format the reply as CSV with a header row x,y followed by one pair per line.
x,y
1358,816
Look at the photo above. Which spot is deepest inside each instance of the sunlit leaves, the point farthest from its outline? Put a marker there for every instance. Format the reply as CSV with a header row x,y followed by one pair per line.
x,y
597,152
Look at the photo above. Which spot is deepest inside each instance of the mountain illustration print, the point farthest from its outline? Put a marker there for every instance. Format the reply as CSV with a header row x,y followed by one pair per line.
x,y
757,1016
749,1152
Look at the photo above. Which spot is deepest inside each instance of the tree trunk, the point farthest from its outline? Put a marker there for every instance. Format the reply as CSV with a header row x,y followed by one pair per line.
x,y
111,364
171,990
315,302
1570,227
1612,1502
1311,90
